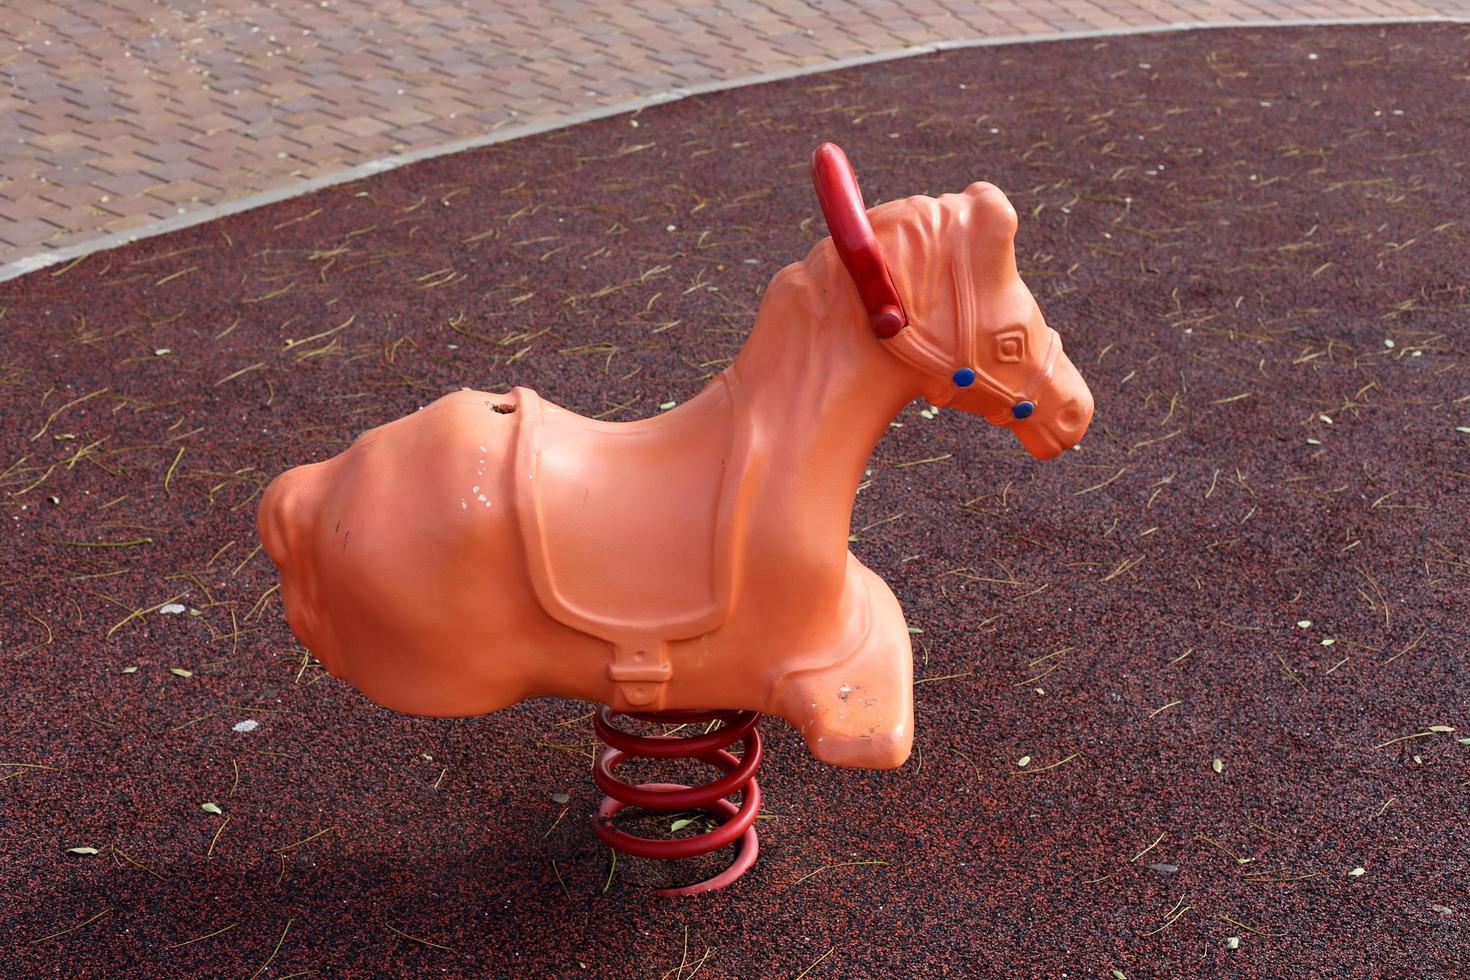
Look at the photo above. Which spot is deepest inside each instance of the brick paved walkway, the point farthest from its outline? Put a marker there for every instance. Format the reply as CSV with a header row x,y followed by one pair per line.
x,y
118,114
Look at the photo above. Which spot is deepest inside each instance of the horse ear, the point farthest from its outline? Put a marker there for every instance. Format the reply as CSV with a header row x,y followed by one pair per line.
x,y
995,222
852,234
996,212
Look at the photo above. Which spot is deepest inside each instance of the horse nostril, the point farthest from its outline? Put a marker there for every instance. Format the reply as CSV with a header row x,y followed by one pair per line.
x,y
1071,416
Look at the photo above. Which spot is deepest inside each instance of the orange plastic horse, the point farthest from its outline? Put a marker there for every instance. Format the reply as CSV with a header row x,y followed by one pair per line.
x,y
493,547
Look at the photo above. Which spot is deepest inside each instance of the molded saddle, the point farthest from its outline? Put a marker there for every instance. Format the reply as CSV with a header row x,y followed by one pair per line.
x,y
665,569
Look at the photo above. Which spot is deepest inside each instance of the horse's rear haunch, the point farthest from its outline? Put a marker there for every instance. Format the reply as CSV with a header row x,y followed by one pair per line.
x,y
492,547
398,559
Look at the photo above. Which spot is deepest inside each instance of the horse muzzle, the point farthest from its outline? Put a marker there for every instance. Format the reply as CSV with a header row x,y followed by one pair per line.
x,y
1063,412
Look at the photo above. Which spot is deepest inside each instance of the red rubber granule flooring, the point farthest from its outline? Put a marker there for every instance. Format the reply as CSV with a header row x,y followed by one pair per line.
x,y
1229,632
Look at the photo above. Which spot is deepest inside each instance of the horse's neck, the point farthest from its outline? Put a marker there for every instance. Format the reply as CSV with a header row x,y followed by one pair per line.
x,y
822,392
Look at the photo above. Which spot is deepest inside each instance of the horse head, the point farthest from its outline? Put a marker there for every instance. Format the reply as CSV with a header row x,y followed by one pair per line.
x,y
938,281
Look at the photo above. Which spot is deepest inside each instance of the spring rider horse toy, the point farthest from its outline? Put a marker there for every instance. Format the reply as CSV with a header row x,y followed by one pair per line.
x,y
692,566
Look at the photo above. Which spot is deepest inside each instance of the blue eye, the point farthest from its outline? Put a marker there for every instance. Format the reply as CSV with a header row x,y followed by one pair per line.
x,y
1022,410
964,377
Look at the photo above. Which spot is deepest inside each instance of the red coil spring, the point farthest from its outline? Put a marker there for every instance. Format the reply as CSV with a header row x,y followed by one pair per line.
x,y
739,726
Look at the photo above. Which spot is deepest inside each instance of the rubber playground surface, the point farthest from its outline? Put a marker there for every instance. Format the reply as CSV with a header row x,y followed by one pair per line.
x,y
1226,636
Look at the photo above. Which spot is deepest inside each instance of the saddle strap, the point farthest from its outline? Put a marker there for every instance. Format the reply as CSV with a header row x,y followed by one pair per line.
x,y
641,671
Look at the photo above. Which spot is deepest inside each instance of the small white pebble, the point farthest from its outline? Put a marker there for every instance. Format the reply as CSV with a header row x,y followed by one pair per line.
x,y
1357,872
1388,342
1233,942
1024,761
248,725
1218,765
1304,623
1312,56
171,609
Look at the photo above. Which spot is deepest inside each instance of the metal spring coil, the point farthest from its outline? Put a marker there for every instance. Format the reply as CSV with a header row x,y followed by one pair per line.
x,y
739,776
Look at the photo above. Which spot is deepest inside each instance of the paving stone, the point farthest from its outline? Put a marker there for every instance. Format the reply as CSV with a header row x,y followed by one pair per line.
x,y
30,231
132,206
128,183
171,151
178,170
